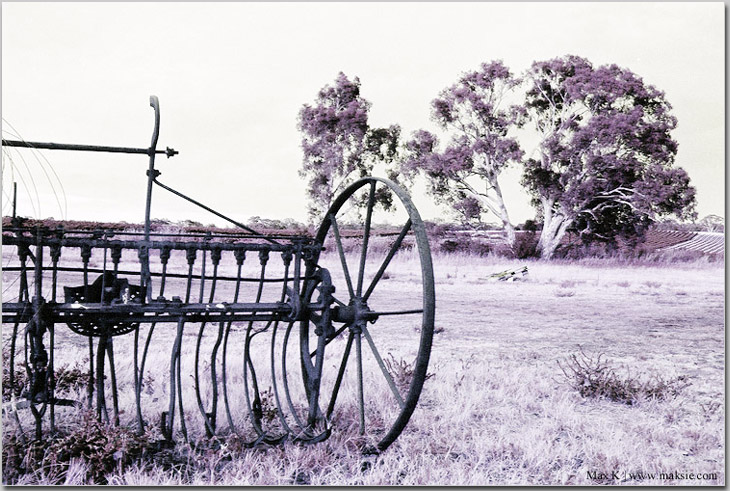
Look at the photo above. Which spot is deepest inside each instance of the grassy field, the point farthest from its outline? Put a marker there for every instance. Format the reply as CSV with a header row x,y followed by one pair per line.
x,y
498,409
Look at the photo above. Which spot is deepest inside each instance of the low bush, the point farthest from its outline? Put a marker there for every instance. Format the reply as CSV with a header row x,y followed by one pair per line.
x,y
102,448
595,377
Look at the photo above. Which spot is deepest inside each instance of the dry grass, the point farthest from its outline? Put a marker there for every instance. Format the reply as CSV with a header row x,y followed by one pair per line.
x,y
497,410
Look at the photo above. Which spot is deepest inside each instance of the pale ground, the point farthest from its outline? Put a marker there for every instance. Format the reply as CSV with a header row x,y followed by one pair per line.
x,y
497,410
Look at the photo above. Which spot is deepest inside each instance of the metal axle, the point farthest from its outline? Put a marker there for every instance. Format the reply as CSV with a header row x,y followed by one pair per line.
x,y
170,152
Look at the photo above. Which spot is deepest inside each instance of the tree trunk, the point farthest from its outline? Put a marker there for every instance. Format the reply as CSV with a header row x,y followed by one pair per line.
x,y
509,229
553,229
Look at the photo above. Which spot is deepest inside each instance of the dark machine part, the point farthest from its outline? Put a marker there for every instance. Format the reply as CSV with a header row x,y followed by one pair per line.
x,y
278,387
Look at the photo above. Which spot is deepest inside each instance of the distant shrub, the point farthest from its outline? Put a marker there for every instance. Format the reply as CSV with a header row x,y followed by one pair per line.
x,y
595,377
439,229
465,245
525,246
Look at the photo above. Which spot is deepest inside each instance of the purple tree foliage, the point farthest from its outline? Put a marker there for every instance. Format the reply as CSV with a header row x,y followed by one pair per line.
x,y
465,174
338,143
606,156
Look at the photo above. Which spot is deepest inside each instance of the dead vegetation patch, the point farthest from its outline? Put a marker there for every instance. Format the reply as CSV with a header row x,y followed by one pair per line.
x,y
597,377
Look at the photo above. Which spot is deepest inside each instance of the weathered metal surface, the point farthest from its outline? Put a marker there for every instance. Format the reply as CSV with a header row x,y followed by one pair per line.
x,y
271,345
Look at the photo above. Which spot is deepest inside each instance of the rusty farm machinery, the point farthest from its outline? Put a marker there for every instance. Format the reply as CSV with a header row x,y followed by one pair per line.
x,y
202,334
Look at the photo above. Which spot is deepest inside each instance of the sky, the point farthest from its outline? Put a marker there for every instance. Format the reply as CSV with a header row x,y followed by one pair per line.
x,y
232,77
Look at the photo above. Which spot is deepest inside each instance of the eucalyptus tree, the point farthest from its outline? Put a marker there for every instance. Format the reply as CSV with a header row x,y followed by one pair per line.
x,y
605,164
477,120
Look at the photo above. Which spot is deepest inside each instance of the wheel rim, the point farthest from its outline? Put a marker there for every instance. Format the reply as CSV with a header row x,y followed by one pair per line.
x,y
380,341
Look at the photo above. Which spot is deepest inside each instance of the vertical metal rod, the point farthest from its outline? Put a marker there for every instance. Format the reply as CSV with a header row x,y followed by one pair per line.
x,y
101,352
36,336
55,256
15,198
113,375
151,175
52,382
101,412
90,389
202,278
85,255
190,254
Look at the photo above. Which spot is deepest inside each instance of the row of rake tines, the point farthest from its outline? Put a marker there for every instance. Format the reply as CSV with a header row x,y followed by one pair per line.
x,y
43,382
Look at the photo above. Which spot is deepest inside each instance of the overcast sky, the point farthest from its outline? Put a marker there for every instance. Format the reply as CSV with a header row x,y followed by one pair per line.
x,y
231,78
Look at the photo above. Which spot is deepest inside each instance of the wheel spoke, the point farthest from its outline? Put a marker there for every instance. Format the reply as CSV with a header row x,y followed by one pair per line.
x,y
338,302
366,237
340,374
360,388
337,334
381,364
386,261
341,251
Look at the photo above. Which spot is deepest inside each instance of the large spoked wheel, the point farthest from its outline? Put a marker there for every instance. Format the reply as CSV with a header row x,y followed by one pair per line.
x,y
364,367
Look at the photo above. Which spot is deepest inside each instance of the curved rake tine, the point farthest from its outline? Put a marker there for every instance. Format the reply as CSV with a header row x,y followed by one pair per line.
x,y
16,417
285,378
183,426
272,357
240,258
394,248
52,380
381,364
100,399
248,365
140,381
214,377
90,390
175,384
366,237
113,375
224,363
209,430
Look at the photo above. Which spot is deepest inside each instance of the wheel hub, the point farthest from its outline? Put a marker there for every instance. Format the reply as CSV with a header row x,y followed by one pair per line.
x,y
357,313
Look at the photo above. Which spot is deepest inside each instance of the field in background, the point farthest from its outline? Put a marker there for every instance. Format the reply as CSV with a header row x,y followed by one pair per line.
x,y
498,409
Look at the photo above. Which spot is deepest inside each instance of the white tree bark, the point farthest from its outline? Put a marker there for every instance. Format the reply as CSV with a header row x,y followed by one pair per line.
x,y
509,229
554,227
